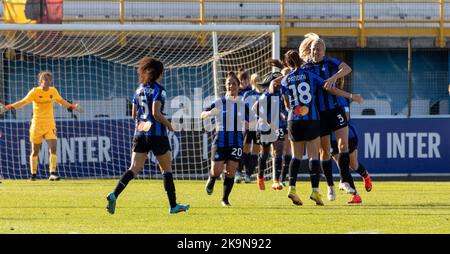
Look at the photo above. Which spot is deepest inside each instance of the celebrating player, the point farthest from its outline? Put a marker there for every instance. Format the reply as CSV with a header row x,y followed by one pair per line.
x,y
244,87
43,124
150,133
228,140
332,113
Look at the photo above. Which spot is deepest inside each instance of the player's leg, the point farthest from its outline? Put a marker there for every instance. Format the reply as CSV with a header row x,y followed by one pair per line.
x,y
297,148
361,170
53,160
277,155
262,164
34,160
287,157
314,169
246,158
36,138
325,159
254,154
216,170
344,165
161,150
228,181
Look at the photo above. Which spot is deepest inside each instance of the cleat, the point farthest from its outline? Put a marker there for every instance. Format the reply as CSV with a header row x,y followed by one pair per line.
x,y
355,199
238,178
276,185
225,203
367,183
209,186
294,197
348,189
261,185
179,208
111,206
247,179
283,184
33,177
341,186
331,193
315,196
54,178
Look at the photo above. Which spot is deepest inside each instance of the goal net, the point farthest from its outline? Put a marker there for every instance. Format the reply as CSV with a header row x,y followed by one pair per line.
x,y
95,65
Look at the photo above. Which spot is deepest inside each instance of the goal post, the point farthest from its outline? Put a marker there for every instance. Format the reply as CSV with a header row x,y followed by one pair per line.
x,y
95,65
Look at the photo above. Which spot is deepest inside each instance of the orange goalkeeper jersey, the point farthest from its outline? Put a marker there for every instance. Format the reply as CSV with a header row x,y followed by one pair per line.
x,y
43,103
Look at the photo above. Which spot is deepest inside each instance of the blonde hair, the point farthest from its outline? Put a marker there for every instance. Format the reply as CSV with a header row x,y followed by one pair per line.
x,y
305,46
285,71
44,73
255,79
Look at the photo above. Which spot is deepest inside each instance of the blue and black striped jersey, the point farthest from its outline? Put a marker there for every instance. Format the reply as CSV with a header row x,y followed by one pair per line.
x,y
301,87
245,90
270,108
143,99
250,98
230,120
325,69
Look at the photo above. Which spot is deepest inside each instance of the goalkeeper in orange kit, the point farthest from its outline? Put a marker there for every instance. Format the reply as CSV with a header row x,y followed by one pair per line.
x,y
43,124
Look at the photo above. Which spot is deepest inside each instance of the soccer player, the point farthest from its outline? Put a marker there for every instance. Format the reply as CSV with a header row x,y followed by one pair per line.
x,y
299,96
148,107
43,124
244,87
228,140
251,143
332,114
271,135
353,150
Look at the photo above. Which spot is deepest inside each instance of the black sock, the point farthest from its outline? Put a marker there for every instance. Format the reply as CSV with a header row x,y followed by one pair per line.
x,y
293,169
227,187
344,162
262,165
211,181
362,170
123,182
278,167
285,169
242,161
169,186
327,171
314,167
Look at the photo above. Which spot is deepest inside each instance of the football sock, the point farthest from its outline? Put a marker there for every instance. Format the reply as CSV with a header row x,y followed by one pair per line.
x,y
53,161
285,169
33,164
327,171
278,167
123,182
314,171
362,170
293,169
211,181
169,186
262,165
344,161
227,187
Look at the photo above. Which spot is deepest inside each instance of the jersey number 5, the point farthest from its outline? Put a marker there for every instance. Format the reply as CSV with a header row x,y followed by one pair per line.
x,y
144,105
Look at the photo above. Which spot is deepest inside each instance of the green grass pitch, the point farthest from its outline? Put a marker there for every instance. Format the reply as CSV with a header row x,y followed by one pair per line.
x,y
78,206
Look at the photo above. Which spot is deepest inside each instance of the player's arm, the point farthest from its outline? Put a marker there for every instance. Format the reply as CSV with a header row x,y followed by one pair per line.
x,y
22,103
344,70
67,104
336,91
156,112
209,111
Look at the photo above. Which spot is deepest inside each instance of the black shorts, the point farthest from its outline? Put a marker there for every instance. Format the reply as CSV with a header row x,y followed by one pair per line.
x,y
352,146
226,153
159,145
282,133
303,130
251,136
332,120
